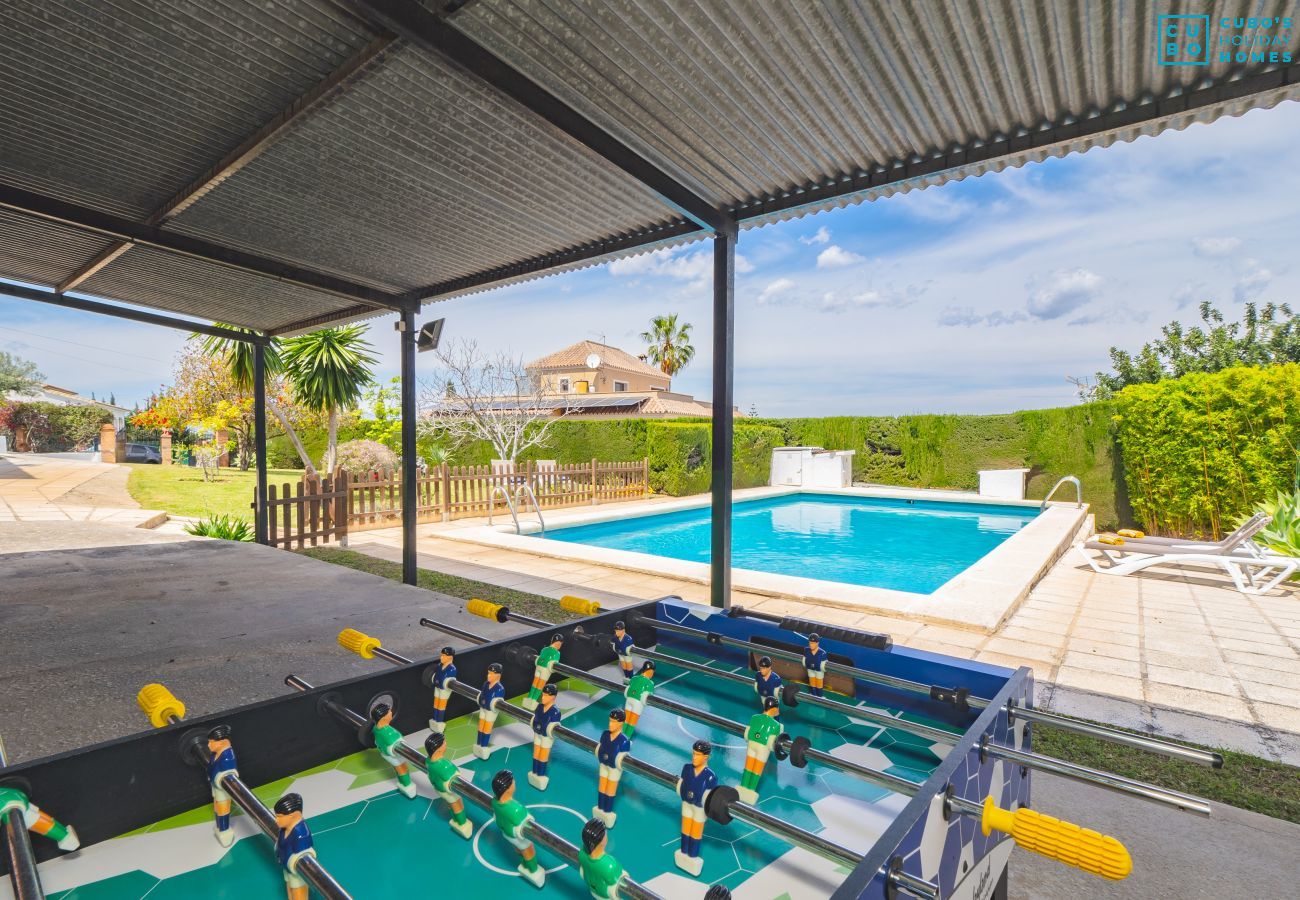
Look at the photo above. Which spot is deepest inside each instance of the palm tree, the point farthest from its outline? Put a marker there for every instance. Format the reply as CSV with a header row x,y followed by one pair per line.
x,y
329,369
669,344
239,356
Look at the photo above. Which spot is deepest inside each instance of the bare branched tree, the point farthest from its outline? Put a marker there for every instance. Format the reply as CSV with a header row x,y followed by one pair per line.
x,y
479,396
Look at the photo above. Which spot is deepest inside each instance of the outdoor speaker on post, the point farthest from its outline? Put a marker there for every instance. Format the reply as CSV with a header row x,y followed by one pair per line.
x,y
429,334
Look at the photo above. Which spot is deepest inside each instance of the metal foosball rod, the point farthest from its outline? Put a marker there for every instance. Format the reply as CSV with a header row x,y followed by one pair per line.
x,y
1029,714
744,812
1064,842
472,793
164,709
1073,771
23,876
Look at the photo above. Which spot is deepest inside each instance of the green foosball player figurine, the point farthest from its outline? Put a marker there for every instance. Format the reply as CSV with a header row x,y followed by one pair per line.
x,y
386,740
512,817
760,737
636,694
37,820
293,841
442,774
599,869
544,666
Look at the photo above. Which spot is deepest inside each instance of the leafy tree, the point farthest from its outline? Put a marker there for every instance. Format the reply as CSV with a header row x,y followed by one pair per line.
x,y
329,370
669,344
18,375
238,356
1263,337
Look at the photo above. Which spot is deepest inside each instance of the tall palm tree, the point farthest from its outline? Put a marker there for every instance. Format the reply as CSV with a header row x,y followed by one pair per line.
x,y
329,369
239,357
669,344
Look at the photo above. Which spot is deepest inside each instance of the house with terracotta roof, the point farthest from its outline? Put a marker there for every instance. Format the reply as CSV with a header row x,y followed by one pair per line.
x,y
595,380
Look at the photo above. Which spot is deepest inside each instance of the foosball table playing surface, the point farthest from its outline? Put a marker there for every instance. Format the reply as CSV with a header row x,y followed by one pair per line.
x,y
583,759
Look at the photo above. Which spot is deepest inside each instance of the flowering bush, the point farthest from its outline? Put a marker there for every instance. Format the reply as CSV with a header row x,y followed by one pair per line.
x,y
360,457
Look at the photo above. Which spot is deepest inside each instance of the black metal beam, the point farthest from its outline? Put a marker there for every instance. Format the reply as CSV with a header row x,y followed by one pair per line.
x,y
1069,128
52,209
259,441
584,253
418,25
409,474
135,315
247,151
724,307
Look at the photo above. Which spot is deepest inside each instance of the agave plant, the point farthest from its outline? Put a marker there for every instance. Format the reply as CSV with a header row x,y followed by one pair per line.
x,y
226,528
1282,535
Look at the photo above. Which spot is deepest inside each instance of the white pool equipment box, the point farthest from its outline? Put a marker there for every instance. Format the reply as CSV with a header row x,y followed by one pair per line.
x,y
1003,484
811,467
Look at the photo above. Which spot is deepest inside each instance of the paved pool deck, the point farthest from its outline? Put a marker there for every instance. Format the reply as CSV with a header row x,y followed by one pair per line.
x,y
1181,654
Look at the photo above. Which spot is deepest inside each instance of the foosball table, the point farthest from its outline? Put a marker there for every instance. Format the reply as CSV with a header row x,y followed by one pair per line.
x,y
661,750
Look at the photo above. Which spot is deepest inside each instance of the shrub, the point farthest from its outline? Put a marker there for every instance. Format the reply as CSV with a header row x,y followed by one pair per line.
x,y
1202,450
1282,534
360,457
752,454
680,457
226,528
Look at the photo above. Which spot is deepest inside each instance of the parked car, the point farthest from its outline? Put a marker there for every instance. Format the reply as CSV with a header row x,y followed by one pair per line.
x,y
143,453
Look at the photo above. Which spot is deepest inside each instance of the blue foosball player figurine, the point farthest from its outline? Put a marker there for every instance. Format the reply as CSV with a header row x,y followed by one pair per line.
x,y
221,765
545,665
444,671
696,782
386,740
766,682
612,748
489,696
601,871
623,645
546,718
512,817
814,663
292,842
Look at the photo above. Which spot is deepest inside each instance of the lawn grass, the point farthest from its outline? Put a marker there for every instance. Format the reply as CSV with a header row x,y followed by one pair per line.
x,y
1246,782
181,490
534,605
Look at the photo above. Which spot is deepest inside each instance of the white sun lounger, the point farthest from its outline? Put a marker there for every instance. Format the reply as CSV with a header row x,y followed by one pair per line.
x,y
1252,569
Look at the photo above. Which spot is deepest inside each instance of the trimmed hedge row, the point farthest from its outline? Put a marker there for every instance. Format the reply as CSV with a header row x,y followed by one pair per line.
x,y
1204,449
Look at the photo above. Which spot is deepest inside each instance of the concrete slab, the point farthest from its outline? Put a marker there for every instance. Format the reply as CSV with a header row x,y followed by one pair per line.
x,y
221,623
1232,854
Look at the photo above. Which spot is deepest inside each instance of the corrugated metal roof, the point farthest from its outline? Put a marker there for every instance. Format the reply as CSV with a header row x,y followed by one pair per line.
x,y
422,177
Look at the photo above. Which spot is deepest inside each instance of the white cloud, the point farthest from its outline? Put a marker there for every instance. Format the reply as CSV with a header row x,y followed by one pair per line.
x,y
823,236
1215,247
936,204
1252,282
1062,292
836,257
966,317
682,263
775,289
1189,292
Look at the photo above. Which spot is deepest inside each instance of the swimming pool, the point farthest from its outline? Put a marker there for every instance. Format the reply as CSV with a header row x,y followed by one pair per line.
x,y
901,544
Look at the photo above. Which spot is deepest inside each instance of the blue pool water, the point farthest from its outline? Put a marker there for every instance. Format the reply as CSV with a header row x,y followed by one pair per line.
x,y
907,545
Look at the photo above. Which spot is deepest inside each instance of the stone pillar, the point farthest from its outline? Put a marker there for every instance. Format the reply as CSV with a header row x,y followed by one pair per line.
x,y
108,444
165,446
222,440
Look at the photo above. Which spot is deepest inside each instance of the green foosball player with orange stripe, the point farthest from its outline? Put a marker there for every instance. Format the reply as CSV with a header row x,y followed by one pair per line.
x,y
760,737
37,820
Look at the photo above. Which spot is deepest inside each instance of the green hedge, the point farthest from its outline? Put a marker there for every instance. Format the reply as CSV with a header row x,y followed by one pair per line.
x,y
1205,448
54,428
681,457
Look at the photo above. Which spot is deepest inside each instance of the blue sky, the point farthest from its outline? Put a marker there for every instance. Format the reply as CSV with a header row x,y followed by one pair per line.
x,y
978,296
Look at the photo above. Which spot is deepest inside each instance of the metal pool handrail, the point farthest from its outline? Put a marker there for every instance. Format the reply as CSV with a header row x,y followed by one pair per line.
x,y
1078,492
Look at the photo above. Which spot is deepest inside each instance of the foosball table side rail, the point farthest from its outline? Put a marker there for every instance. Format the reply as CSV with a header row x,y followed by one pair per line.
x,y
119,786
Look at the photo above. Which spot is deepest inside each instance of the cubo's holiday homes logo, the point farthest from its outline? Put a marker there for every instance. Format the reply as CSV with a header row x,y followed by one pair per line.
x,y
1186,40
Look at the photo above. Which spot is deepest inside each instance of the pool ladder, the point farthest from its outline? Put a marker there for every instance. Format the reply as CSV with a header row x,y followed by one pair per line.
x,y
523,491
1078,491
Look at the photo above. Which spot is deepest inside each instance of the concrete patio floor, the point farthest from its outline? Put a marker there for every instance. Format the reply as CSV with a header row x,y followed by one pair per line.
x,y
1182,654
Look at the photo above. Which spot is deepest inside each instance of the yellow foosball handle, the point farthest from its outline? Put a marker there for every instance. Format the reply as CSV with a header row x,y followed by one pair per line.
x,y
579,605
160,705
485,608
363,645
1096,854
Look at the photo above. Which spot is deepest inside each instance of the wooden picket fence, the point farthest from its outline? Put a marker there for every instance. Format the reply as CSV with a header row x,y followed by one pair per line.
x,y
322,510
